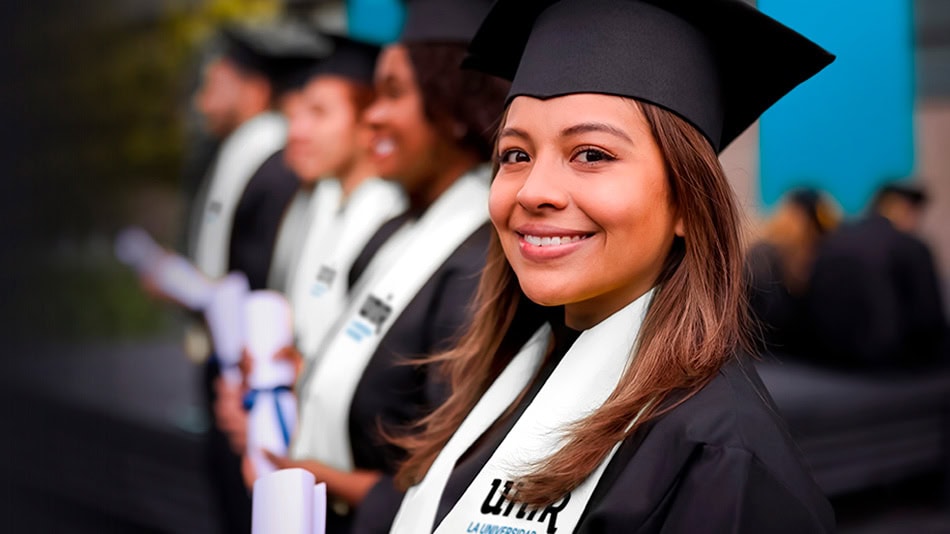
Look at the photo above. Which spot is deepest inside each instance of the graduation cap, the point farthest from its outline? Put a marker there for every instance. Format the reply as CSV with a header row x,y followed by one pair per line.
x,y
350,59
719,64
443,20
278,50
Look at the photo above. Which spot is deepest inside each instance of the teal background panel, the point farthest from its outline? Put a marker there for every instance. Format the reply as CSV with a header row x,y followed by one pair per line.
x,y
850,128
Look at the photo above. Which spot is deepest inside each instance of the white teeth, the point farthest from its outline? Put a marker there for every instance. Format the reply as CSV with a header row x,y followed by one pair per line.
x,y
550,241
384,147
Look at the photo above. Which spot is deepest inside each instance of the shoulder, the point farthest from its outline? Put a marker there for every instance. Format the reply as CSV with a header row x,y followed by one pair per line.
x,y
733,410
734,420
722,455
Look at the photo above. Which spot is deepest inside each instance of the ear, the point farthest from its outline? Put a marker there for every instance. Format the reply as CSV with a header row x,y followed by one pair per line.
x,y
679,228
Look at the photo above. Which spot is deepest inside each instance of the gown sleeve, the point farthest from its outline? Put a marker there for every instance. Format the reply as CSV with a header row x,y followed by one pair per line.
x,y
728,490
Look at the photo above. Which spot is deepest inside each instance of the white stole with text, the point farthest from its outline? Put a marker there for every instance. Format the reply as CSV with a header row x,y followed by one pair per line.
x,y
327,387
241,155
317,286
580,384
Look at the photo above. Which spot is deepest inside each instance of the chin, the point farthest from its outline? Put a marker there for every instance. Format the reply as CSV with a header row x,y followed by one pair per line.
x,y
544,296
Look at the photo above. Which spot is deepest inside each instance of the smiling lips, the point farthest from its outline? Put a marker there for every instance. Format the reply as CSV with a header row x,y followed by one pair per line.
x,y
383,147
547,241
539,244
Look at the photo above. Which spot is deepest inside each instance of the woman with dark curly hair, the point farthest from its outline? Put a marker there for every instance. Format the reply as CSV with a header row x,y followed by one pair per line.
x,y
412,285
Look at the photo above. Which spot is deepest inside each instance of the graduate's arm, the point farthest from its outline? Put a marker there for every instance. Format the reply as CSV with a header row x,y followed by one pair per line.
x,y
350,487
729,490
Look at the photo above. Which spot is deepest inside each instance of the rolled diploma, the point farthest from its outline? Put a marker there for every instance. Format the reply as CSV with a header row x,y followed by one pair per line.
x,y
224,314
136,248
268,326
172,274
264,431
288,502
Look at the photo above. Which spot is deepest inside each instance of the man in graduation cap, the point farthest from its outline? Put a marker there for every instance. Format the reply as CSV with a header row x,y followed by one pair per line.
x,y
242,200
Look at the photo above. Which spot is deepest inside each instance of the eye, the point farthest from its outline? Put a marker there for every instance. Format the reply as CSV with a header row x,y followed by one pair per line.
x,y
592,155
513,155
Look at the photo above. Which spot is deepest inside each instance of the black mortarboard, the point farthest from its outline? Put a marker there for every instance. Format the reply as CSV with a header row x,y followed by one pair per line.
x,y
275,49
351,59
717,63
443,20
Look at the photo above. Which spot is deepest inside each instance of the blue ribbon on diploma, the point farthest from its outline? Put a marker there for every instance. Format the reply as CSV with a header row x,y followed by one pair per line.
x,y
251,397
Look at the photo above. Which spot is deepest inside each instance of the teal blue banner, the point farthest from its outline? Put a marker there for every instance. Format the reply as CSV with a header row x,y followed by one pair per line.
x,y
851,127
375,21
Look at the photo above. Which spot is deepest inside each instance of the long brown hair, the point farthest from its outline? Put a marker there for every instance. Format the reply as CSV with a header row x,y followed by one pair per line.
x,y
695,322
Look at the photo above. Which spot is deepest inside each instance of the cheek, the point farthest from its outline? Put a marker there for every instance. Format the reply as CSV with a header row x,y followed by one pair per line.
x,y
501,201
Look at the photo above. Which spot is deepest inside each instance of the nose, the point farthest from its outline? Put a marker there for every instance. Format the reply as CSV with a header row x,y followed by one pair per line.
x,y
296,126
543,187
375,115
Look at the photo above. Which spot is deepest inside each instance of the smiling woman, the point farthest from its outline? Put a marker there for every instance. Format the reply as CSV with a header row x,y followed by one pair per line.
x,y
604,385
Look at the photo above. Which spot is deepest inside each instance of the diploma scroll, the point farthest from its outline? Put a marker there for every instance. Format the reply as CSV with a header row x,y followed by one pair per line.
x,y
271,405
289,502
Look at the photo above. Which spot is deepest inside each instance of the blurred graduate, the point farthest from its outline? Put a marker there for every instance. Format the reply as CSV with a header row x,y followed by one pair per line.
x,y
412,285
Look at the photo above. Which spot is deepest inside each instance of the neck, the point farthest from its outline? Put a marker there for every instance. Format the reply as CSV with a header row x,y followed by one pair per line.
x,y
358,171
432,188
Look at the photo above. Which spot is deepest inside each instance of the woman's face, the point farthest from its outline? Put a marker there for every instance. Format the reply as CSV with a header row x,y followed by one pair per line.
x,y
581,203
323,136
405,145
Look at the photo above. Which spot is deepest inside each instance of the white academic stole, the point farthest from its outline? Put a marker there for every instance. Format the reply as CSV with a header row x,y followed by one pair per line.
x,y
580,384
240,157
327,387
291,232
318,284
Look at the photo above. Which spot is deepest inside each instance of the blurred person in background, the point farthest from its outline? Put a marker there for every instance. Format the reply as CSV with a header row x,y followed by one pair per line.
x,y
779,265
340,205
875,300
240,204
413,283
242,201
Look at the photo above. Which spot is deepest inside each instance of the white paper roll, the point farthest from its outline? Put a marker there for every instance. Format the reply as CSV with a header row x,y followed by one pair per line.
x,y
288,502
180,280
136,248
264,430
224,314
268,327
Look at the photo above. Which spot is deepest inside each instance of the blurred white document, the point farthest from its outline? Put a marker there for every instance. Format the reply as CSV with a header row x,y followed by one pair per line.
x,y
272,406
288,502
225,317
172,274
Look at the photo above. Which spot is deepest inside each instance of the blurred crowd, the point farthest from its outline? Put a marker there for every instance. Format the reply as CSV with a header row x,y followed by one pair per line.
x,y
341,185
860,294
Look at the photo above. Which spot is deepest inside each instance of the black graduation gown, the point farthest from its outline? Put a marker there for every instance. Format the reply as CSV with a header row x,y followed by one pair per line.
x,y
257,219
780,315
722,461
392,394
874,300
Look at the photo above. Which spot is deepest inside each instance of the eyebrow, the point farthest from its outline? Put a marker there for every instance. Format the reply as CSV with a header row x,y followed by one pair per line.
x,y
587,127
513,132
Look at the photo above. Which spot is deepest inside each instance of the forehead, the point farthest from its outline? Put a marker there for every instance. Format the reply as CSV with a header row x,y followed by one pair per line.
x,y
393,62
558,113
327,86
